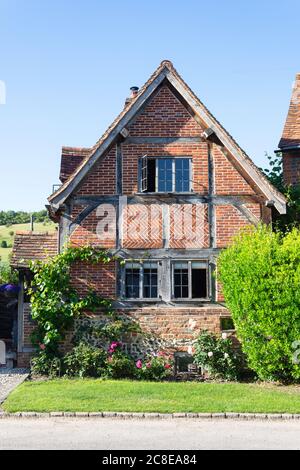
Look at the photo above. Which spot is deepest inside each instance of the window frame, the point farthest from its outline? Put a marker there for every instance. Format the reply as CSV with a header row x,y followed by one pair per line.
x,y
144,165
141,281
190,298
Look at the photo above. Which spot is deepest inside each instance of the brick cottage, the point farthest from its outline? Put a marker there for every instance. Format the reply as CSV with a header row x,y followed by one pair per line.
x,y
166,188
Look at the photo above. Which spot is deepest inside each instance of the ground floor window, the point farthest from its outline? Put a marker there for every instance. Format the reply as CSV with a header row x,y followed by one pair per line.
x,y
166,279
141,280
190,279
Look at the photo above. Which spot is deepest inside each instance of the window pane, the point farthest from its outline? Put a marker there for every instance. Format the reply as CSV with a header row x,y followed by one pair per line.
x,y
149,265
177,292
182,174
199,265
181,289
181,265
199,283
147,292
185,292
130,266
150,280
185,278
132,278
153,292
164,175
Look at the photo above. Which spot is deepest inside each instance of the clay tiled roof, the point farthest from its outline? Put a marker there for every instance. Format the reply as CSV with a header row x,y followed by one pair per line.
x,y
291,131
30,246
71,158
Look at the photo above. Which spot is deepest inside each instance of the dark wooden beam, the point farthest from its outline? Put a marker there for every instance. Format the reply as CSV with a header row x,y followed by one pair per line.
x,y
163,140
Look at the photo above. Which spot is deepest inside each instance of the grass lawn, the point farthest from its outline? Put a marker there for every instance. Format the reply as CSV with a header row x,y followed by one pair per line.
x,y
164,397
5,234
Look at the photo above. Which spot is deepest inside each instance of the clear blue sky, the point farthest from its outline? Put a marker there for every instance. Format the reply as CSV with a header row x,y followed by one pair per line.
x,y
68,66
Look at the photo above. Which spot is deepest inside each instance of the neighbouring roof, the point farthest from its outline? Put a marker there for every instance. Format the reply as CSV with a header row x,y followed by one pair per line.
x,y
71,158
32,246
291,132
167,72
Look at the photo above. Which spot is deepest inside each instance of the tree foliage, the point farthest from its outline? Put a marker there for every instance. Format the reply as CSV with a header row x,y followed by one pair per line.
x,y
275,175
260,274
21,217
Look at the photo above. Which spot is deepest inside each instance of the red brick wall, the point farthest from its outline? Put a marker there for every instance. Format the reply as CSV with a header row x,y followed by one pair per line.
x,y
91,230
102,179
178,326
184,234
165,116
99,277
229,221
291,168
142,226
28,326
228,181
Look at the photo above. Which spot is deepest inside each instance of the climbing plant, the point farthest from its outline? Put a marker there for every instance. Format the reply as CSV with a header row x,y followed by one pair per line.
x,y
55,303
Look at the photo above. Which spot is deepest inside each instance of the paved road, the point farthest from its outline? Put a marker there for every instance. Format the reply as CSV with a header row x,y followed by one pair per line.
x,y
146,434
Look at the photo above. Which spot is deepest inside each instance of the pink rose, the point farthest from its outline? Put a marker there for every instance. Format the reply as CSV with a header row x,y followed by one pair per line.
x,y
167,366
148,365
113,346
42,346
139,364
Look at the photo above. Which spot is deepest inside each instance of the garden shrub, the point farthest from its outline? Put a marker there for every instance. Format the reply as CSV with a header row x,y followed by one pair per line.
x,y
217,356
121,366
260,274
155,367
47,364
85,361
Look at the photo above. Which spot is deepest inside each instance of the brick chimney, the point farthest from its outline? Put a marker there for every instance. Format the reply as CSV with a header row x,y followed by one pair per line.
x,y
289,144
133,92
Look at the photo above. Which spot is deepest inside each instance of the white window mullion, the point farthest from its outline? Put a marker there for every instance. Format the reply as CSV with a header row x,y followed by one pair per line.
x,y
190,279
173,175
141,283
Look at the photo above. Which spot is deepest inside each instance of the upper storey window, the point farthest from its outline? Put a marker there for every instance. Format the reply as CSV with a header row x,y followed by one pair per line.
x,y
165,175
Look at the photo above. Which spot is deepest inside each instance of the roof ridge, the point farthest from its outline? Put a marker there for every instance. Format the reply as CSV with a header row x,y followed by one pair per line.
x,y
33,232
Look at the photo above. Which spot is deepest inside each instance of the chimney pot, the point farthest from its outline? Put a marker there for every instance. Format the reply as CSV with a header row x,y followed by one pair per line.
x,y
134,91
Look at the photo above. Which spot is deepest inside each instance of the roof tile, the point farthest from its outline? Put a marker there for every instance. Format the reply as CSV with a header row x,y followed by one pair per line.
x,y
32,246
291,132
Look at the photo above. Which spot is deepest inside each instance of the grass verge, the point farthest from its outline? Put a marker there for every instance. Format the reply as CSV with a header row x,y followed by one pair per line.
x,y
164,397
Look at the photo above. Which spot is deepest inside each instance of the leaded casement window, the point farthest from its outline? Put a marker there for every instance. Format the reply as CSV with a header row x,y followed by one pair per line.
x,y
190,280
165,174
141,280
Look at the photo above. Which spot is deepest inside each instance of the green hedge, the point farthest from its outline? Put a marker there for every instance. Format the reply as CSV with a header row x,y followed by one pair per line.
x,y
260,273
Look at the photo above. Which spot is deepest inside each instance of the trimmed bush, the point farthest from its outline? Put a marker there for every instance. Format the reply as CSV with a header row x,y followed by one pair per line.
x,y
121,366
85,361
217,356
260,274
